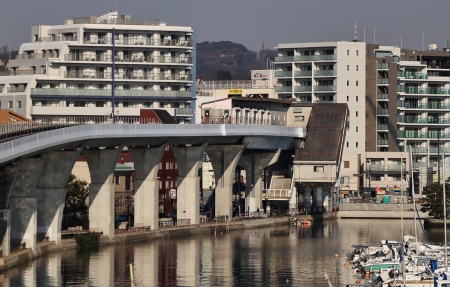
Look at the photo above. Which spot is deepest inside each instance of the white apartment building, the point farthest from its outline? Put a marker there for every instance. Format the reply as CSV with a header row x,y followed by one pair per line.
x,y
326,72
68,71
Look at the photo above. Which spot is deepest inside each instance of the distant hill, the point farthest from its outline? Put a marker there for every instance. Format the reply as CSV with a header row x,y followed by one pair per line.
x,y
228,56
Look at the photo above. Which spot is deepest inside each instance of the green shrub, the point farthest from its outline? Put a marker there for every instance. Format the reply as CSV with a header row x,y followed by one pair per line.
x,y
87,239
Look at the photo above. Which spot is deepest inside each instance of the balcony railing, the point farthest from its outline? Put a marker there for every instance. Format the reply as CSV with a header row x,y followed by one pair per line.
x,y
325,73
107,93
382,112
132,75
400,103
15,89
301,89
140,41
383,96
154,59
383,66
305,58
325,88
116,21
57,38
283,89
22,72
283,74
382,142
382,126
183,111
36,56
78,57
302,73
411,75
88,75
382,81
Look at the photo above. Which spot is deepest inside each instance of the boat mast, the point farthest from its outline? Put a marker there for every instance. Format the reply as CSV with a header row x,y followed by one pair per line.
x,y
402,265
445,212
412,191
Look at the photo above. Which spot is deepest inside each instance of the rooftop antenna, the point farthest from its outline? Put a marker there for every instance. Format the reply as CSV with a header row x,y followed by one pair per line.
x,y
355,33
9,51
374,36
401,41
257,53
423,40
364,34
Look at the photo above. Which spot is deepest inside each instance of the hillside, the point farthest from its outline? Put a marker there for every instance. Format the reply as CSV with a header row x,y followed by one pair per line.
x,y
228,56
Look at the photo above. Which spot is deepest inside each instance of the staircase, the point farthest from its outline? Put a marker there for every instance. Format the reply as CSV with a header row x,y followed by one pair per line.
x,y
280,187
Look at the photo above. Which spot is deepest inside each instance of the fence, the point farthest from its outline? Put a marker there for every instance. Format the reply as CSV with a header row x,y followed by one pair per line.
x,y
133,229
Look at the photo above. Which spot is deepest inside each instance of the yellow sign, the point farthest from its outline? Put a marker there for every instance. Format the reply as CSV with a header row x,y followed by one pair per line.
x,y
235,91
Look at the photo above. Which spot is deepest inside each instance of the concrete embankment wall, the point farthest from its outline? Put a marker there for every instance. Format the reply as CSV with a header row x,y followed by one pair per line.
x,y
166,232
378,210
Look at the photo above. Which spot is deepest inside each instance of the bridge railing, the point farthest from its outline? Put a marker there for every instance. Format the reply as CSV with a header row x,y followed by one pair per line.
x,y
276,194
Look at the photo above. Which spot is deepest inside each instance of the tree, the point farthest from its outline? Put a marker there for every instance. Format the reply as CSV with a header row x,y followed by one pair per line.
x,y
434,199
76,206
223,75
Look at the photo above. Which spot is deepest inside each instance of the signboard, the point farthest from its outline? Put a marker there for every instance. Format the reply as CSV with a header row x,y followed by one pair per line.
x,y
173,193
260,75
235,91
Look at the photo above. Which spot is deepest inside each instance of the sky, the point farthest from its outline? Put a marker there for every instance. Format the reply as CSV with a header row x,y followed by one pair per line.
x,y
404,23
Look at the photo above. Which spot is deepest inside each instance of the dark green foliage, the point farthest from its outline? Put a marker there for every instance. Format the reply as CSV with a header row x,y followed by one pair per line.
x,y
213,57
434,199
76,206
87,239
223,76
5,55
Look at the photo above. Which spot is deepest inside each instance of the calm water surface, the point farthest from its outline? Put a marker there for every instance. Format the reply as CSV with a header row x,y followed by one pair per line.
x,y
276,256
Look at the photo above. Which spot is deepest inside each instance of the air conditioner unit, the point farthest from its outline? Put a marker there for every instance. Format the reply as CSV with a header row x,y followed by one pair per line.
x,y
435,164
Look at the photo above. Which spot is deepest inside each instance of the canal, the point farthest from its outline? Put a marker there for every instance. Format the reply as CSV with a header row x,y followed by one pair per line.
x,y
276,256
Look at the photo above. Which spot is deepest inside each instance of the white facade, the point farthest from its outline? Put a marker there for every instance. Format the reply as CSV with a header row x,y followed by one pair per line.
x,y
67,70
326,72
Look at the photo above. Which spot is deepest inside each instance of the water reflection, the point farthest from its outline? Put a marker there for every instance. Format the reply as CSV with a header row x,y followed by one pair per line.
x,y
276,256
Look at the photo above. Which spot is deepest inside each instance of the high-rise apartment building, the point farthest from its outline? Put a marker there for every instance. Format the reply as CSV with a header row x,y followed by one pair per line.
x,y
326,72
69,70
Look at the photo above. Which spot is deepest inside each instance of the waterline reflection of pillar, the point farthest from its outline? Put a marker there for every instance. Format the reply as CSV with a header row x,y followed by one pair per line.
x,y
101,267
53,267
223,261
187,262
146,265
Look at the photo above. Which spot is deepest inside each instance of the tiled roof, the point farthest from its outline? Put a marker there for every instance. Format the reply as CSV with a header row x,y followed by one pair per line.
x,y
324,133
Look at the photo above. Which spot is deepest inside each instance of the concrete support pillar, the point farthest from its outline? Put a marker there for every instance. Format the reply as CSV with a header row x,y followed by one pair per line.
x,y
188,191
24,221
51,192
23,202
187,270
5,222
146,263
102,163
254,163
101,268
224,159
146,196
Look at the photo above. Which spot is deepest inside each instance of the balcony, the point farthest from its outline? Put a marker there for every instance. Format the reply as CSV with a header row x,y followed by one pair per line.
x,y
57,38
1,89
328,73
140,75
86,75
325,88
139,41
382,112
420,164
305,58
78,57
382,66
412,75
15,89
383,127
36,56
382,142
301,89
22,72
153,59
400,88
441,150
107,93
283,74
383,81
400,103
283,89
302,73
183,111
383,96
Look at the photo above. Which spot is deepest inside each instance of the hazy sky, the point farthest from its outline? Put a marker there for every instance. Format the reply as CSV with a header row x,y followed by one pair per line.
x,y
252,22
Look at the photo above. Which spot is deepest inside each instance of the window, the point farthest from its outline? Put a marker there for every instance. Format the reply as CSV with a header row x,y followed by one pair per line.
x,y
299,119
346,164
99,104
9,104
356,98
356,129
357,69
356,113
356,144
117,180
348,67
347,144
345,180
348,98
348,83
318,168
357,53
356,83
19,104
348,52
